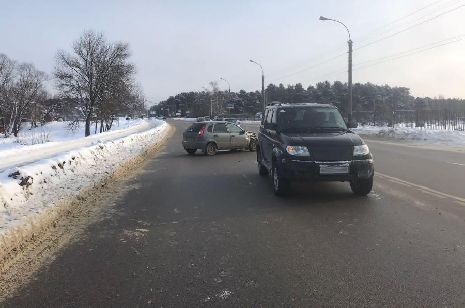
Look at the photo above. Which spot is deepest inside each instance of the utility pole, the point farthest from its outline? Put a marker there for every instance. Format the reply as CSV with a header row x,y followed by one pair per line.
x,y
349,106
263,84
263,91
349,102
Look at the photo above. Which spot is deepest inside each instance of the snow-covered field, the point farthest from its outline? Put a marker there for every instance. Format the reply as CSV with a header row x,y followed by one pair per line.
x,y
420,135
32,192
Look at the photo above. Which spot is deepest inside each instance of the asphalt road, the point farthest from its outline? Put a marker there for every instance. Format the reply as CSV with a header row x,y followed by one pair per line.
x,y
207,231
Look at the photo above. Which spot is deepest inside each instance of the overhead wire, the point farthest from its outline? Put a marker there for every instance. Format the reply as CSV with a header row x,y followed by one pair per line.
x,y
404,54
430,18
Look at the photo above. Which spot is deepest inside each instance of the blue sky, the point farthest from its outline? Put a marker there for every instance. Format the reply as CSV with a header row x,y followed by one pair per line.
x,y
183,45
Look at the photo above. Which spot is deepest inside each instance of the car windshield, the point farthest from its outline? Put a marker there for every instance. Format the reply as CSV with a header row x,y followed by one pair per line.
x,y
303,119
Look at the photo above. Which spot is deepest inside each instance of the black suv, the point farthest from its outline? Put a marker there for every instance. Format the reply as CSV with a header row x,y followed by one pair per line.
x,y
298,142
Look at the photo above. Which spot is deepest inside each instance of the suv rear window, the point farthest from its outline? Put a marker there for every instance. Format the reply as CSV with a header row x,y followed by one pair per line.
x,y
195,127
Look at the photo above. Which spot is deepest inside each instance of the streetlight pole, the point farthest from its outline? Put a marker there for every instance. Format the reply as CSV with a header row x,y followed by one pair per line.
x,y
263,84
349,42
229,86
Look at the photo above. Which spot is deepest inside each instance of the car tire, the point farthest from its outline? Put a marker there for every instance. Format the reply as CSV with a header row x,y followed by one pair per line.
x,y
211,149
191,151
362,187
262,171
253,145
281,186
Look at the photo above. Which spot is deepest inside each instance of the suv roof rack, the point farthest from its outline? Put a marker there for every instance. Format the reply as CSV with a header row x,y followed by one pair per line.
x,y
275,103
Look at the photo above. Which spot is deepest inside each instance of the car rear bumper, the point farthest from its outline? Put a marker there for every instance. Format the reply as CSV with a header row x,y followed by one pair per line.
x,y
312,170
193,144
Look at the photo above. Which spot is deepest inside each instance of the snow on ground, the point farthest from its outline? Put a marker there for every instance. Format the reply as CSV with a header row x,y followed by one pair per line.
x,y
22,150
32,192
417,134
57,131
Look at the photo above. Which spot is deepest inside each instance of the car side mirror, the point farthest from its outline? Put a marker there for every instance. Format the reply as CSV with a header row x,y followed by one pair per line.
x,y
242,132
352,124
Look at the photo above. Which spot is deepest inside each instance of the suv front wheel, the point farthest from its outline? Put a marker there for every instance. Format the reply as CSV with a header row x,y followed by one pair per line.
x,y
362,187
262,171
280,185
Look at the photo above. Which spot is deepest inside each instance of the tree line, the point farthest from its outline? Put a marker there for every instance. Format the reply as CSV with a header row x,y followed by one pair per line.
x,y
95,83
368,100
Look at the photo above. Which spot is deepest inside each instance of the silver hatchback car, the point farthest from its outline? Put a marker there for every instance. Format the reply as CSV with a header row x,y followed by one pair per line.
x,y
212,136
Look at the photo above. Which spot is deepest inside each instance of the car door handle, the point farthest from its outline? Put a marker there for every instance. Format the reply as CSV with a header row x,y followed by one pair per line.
x,y
215,135
233,136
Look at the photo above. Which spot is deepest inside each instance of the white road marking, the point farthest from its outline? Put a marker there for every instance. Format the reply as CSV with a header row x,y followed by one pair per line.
x,y
456,164
423,189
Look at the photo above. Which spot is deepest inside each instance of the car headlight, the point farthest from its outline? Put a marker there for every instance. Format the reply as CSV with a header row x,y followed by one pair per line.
x,y
361,150
297,150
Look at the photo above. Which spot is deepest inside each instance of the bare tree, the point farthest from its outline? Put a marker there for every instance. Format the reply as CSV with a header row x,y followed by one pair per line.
x,y
28,90
7,67
21,88
98,74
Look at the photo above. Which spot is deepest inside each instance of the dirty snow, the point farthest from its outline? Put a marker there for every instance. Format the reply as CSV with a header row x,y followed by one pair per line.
x,y
417,134
30,192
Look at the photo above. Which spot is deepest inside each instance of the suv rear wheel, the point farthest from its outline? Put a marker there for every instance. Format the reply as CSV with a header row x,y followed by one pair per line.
x,y
280,185
362,187
211,149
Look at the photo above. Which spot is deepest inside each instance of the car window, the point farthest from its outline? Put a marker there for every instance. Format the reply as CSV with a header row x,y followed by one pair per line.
x,y
220,128
265,116
194,128
273,117
269,117
234,128
304,119
210,128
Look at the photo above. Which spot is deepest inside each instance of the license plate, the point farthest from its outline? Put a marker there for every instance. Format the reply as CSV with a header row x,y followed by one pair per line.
x,y
334,169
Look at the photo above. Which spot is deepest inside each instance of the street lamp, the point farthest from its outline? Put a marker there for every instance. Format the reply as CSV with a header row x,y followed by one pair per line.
x,y
349,107
229,86
263,84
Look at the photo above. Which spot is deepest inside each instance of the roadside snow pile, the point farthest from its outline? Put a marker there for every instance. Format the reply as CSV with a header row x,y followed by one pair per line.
x,y
14,154
455,138
57,132
31,194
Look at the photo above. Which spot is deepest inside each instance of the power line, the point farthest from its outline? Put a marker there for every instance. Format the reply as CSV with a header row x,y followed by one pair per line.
x,y
412,52
401,18
317,64
410,27
404,54
309,67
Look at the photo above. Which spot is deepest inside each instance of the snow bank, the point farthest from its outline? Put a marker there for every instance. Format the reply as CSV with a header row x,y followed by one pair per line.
x,y
429,136
32,193
15,154
59,132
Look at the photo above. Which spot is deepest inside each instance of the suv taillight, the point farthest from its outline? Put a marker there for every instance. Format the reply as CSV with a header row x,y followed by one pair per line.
x,y
202,131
